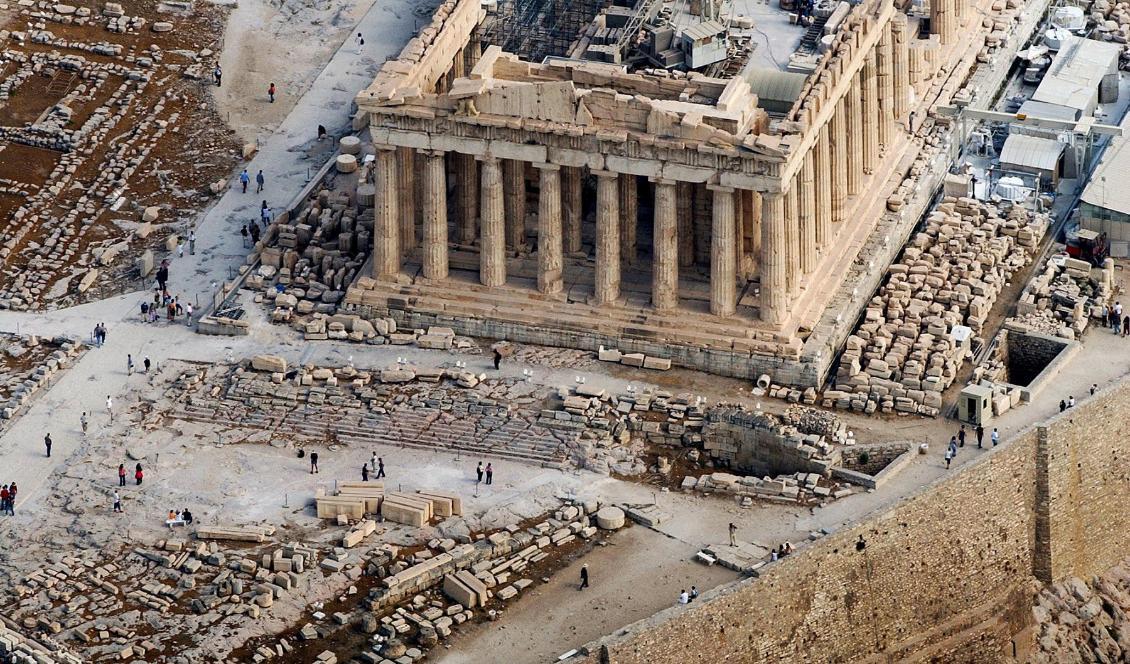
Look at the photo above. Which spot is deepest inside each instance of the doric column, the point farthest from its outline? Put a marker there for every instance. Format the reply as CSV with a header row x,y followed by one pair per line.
x,y
792,238
686,223
514,186
774,288
960,9
885,81
900,66
723,270
853,132
703,224
871,118
386,220
571,203
492,250
840,163
467,187
943,20
607,237
406,165
823,179
665,261
806,214
629,218
457,70
435,215
741,248
550,264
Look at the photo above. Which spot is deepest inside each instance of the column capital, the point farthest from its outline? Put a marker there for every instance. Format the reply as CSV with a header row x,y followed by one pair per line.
x,y
545,166
656,179
433,153
605,174
721,188
486,158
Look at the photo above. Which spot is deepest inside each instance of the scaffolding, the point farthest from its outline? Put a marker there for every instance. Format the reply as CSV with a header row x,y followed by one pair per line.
x,y
540,29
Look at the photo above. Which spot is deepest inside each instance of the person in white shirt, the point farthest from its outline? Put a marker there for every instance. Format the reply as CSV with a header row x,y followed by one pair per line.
x,y
684,598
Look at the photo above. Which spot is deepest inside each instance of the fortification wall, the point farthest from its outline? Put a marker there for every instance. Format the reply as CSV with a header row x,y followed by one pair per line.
x,y
946,575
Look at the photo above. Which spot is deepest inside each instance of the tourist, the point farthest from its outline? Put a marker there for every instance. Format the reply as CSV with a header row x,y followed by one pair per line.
x,y
490,474
694,593
259,181
146,363
186,516
497,359
961,436
949,457
364,472
1126,326
271,92
180,248
321,132
217,75
117,502
380,468
4,496
244,179
479,473
121,474
1094,388
192,242
786,548
162,280
12,499
187,313
684,598
995,437
313,462
265,215
1062,405
144,312
584,577
110,407
254,230
47,444
1071,402
773,555
129,364
360,43
373,461
83,422
980,435
733,534
138,474
243,235
953,445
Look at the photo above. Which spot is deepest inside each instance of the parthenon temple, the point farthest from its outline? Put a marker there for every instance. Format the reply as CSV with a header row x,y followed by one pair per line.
x,y
580,203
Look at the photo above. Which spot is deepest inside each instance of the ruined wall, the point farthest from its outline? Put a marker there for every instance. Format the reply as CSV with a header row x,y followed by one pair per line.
x,y
946,575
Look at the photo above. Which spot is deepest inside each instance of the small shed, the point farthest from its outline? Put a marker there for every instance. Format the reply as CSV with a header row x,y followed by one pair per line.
x,y
1033,155
975,405
704,43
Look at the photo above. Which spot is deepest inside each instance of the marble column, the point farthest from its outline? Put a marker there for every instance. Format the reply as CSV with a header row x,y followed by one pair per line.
x,y
684,192
386,220
943,20
885,81
514,186
467,187
492,250
406,165
741,248
823,179
607,288
871,119
792,239
665,260
435,215
806,215
571,203
723,270
840,163
774,287
457,65
629,218
853,133
900,65
550,263
752,224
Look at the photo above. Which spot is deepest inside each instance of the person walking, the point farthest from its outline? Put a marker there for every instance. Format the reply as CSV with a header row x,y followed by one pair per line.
x,y
117,502
733,534
364,472
162,280
949,457
129,364
12,489
996,437
961,436
271,93
265,215
479,473
243,234
253,229
244,179
584,576
259,181
953,445
110,407
490,474
146,363
1094,388
360,43
380,468
980,430
47,444
138,474
180,249
1126,326
192,242
4,495
121,474
217,75
313,462
83,422
497,359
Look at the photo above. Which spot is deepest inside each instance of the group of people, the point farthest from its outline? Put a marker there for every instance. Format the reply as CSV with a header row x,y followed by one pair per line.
x,y
373,465
99,334
138,474
481,472
129,371
958,441
183,516
1118,323
245,179
1064,404
174,308
8,499
688,597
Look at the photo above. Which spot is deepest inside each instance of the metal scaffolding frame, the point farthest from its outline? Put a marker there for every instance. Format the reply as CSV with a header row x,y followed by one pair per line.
x,y
539,29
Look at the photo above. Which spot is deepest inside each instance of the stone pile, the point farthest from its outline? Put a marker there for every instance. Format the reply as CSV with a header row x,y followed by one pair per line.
x,y
29,363
633,359
796,488
15,649
903,355
1112,22
1078,621
735,437
1060,300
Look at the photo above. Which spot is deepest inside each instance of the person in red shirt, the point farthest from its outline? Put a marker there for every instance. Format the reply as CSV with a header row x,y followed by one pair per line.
x,y
4,496
121,474
138,475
